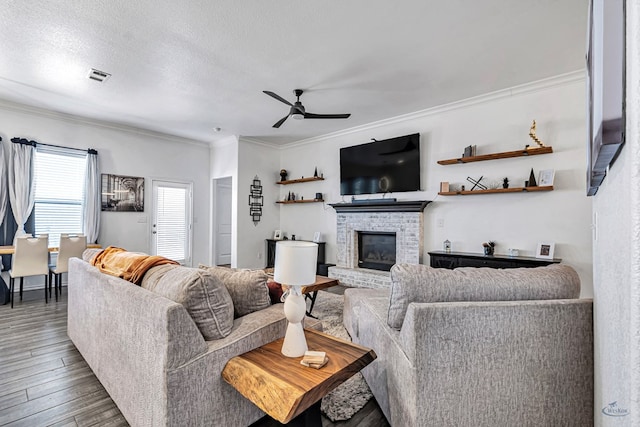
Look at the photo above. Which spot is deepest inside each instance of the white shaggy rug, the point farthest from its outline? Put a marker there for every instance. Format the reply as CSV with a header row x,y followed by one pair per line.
x,y
351,396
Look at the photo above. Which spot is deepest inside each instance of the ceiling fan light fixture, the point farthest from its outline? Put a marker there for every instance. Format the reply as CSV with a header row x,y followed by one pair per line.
x,y
297,115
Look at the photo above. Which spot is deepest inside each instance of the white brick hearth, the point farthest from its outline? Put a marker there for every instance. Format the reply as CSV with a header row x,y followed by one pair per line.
x,y
403,218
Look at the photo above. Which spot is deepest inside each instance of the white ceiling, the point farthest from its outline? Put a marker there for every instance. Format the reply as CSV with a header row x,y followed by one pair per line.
x,y
187,67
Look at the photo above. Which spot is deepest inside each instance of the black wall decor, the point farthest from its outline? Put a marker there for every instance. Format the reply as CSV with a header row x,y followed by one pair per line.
x,y
256,200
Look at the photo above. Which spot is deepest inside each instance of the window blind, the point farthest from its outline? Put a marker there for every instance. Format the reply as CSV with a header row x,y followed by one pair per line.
x,y
171,230
59,192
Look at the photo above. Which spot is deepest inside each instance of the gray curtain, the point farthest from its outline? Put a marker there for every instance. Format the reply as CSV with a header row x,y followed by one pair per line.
x,y
3,183
21,181
91,208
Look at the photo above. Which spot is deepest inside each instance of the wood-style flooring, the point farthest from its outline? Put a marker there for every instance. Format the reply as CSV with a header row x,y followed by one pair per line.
x,y
44,381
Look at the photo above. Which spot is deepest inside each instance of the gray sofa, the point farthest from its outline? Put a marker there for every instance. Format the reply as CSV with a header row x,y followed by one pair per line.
x,y
152,358
477,346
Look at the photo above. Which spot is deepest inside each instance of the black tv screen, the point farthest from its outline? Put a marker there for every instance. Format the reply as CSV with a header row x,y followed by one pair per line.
x,y
387,166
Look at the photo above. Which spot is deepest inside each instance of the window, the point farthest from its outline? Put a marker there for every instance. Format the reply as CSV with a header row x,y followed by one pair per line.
x,y
59,192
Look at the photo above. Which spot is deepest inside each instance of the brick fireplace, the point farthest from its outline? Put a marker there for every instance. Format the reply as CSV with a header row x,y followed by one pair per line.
x,y
404,219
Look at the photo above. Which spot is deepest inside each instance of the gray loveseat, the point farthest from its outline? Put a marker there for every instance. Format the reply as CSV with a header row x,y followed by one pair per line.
x,y
152,358
477,346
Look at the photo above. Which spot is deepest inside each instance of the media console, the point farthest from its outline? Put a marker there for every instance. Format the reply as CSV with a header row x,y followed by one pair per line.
x,y
451,260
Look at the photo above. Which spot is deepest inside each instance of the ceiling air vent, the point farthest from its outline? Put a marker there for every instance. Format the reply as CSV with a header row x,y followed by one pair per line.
x,y
98,75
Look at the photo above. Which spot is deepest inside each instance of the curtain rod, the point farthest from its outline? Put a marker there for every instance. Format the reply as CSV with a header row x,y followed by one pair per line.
x,y
34,143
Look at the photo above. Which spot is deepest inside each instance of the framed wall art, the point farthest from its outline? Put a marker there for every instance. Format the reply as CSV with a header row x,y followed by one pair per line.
x,y
605,88
121,193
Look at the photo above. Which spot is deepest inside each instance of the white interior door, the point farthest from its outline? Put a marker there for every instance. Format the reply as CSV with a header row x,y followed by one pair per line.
x,y
172,220
223,221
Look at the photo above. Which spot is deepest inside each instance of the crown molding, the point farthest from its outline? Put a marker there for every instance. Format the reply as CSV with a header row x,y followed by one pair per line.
x,y
535,86
70,118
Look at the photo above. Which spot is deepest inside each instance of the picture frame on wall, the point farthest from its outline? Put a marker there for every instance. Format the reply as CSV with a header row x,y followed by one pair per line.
x,y
606,73
277,235
120,193
545,250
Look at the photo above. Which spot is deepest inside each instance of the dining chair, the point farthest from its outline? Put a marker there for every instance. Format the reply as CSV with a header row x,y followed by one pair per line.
x,y
30,258
71,246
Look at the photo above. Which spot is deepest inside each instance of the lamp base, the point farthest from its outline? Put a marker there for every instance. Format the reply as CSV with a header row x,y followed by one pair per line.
x,y
295,306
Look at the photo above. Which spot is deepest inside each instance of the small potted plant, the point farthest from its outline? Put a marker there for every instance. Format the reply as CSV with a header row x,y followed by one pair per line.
x,y
489,247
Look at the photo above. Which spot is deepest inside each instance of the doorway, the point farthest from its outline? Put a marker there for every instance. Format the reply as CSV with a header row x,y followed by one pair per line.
x,y
222,202
172,219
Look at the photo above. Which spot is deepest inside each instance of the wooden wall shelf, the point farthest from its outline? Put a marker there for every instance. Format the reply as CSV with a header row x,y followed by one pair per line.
x,y
289,202
494,156
299,180
496,190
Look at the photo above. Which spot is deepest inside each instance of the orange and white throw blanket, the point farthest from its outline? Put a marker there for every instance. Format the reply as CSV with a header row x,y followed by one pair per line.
x,y
130,266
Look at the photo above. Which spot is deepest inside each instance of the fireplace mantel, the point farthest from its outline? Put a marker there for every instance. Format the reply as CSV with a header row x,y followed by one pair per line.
x,y
378,206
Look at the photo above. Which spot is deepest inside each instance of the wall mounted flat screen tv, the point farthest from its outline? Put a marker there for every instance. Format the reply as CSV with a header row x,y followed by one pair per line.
x,y
387,166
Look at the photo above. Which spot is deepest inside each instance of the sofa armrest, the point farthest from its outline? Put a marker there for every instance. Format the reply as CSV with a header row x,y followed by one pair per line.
x,y
471,356
129,337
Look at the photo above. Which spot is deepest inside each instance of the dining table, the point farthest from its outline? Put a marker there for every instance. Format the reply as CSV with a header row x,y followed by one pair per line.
x,y
9,250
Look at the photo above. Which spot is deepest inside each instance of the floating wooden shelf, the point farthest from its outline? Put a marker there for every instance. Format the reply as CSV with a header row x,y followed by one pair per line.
x,y
288,202
494,156
299,180
496,190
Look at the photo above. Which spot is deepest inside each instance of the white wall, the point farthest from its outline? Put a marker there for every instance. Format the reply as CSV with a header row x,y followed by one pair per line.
x,y
261,161
616,260
495,122
124,151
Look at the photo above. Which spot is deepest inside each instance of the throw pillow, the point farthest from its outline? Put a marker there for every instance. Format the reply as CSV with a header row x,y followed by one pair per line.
x,y
275,291
423,284
248,288
202,294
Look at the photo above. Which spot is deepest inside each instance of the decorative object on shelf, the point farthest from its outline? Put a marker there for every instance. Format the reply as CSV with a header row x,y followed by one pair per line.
x,y
256,200
469,151
505,183
444,186
532,180
513,252
122,193
546,177
317,237
315,172
277,235
489,247
545,250
283,174
462,187
494,185
447,246
293,237
532,134
476,183
295,266
319,196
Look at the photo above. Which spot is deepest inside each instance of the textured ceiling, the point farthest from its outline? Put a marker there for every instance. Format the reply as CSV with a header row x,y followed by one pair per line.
x,y
187,67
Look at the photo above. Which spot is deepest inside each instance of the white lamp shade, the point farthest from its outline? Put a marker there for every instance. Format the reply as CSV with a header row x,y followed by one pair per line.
x,y
296,263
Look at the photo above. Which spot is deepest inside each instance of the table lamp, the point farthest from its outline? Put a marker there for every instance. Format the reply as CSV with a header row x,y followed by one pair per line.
x,y
295,266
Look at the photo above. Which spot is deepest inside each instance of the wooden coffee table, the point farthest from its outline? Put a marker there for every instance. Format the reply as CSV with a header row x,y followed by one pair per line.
x,y
285,389
311,291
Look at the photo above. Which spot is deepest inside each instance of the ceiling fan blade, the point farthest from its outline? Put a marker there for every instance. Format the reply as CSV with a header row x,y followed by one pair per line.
x,y
280,122
326,116
278,97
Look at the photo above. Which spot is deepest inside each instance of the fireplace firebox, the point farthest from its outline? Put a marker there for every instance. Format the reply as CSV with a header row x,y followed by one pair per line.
x,y
376,250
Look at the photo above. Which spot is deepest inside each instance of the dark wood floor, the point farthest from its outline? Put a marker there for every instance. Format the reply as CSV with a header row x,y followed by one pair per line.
x,y
44,381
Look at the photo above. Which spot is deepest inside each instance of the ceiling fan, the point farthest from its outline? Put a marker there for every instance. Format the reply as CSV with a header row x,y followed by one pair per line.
x,y
298,111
